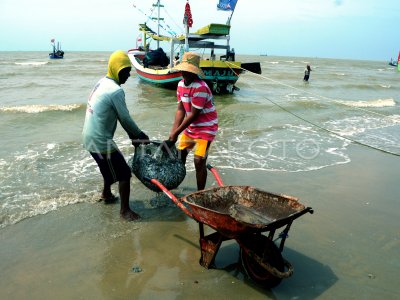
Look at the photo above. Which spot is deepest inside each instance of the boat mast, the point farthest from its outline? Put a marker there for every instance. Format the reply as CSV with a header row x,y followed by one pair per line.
x,y
228,22
158,5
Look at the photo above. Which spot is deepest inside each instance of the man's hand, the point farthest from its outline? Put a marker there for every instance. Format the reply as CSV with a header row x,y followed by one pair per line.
x,y
142,138
167,145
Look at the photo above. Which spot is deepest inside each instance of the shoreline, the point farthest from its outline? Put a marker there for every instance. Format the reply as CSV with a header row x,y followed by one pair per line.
x,y
86,251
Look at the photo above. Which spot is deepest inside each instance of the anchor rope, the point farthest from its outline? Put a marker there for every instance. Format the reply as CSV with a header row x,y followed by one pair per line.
x,y
314,124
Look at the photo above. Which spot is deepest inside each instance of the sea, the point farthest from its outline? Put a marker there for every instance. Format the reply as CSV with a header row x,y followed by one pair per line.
x,y
274,122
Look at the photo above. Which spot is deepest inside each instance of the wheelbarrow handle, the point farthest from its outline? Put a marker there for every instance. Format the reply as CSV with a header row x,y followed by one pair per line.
x,y
216,175
170,195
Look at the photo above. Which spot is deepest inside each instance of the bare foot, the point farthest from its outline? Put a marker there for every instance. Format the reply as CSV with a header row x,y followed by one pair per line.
x,y
129,215
110,199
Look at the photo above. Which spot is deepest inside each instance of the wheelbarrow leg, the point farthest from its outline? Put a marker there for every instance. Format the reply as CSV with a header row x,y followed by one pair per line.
x,y
209,246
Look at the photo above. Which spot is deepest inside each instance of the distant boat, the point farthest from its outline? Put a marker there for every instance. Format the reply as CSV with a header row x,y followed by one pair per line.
x,y
264,54
398,62
393,63
57,52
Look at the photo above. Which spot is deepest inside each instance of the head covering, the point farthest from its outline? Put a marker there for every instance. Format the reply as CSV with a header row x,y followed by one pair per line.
x,y
118,60
190,63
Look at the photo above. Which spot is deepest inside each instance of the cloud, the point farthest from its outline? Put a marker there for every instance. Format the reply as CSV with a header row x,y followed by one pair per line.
x,y
338,2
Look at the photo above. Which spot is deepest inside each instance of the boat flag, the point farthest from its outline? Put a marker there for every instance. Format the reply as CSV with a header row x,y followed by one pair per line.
x,y
52,40
227,5
187,18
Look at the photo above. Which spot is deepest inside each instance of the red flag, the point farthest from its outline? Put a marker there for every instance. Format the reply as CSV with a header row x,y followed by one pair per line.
x,y
187,18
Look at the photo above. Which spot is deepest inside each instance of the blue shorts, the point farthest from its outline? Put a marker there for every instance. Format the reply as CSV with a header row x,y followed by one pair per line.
x,y
113,167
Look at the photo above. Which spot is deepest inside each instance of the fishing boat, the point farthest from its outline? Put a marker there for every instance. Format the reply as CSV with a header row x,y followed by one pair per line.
x,y
394,63
221,73
57,52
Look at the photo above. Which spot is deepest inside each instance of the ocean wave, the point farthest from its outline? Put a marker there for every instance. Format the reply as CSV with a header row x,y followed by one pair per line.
x,y
353,126
366,86
372,103
39,108
64,172
32,63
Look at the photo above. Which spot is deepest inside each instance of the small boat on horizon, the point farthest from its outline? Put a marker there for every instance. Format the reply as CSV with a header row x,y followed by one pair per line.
x,y
57,52
394,63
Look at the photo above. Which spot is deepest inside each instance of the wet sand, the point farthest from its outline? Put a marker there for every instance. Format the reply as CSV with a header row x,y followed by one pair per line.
x,y
348,249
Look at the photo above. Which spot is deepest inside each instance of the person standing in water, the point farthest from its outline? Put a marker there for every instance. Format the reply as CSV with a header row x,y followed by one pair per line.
x,y
196,117
105,106
307,72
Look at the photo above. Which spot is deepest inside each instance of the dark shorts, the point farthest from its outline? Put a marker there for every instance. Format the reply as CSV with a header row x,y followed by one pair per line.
x,y
113,167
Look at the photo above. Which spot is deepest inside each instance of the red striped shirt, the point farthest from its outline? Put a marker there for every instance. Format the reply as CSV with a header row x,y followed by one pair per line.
x,y
198,95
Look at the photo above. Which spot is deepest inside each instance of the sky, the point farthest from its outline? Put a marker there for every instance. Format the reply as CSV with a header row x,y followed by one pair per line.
x,y
346,29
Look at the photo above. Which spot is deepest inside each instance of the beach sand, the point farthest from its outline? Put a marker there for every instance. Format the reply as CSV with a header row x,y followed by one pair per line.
x,y
348,249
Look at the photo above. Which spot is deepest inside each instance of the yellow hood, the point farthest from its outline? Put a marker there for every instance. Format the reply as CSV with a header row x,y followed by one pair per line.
x,y
118,61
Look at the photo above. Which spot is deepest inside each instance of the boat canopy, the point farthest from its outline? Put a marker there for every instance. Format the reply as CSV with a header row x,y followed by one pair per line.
x,y
207,32
148,31
214,29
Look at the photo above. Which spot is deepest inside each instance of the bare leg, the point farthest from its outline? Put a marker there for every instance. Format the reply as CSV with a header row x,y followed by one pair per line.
x,y
124,192
182,154
201,172
106,191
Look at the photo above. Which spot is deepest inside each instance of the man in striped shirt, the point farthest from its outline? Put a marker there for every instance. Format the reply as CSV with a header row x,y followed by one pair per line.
x,y
195,117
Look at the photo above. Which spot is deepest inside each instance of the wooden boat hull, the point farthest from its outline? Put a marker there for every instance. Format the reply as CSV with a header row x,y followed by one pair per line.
x,y
164,77
220,76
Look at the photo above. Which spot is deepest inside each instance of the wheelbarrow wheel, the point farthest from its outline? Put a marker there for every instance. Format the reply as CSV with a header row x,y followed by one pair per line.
x,y
269,254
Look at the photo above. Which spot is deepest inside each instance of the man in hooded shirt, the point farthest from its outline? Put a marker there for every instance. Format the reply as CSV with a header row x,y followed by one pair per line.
x,y
105,106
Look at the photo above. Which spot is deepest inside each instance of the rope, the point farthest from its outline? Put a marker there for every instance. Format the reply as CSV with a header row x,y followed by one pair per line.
x,y
314,124
149,18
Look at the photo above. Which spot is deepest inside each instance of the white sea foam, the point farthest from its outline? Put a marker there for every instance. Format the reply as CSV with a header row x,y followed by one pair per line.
x,y
62,172
38,108
372,103
32,63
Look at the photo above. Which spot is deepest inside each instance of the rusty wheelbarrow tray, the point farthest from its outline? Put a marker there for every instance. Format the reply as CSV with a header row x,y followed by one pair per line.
x,y
243,213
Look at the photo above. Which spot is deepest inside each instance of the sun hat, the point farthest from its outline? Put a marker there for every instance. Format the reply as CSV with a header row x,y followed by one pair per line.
x,y
190,63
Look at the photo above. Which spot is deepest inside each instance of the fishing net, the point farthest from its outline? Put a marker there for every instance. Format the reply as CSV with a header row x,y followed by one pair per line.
x,y
154,161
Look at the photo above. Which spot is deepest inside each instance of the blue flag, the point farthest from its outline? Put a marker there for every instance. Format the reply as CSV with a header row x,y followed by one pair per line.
x,y
227,5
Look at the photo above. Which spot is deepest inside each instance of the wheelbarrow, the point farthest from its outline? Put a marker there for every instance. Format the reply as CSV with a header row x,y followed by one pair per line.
x,y
248,215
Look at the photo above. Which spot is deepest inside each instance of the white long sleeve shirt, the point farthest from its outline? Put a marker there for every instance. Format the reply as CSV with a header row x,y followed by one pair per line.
x,y
106,105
